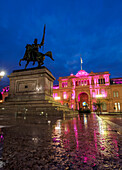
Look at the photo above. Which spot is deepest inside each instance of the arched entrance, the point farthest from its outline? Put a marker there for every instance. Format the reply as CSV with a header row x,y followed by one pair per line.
x,y
83,100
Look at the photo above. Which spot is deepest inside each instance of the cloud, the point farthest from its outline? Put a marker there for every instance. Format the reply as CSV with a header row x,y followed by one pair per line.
x,y
73,28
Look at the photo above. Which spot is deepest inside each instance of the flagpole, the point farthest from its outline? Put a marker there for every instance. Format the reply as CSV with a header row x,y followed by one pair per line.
x,y
81,61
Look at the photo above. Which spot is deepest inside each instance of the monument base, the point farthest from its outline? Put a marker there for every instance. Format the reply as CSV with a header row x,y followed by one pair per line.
x,y
31,92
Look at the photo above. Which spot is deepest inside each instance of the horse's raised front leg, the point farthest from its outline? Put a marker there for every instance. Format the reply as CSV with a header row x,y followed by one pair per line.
x,y
26,64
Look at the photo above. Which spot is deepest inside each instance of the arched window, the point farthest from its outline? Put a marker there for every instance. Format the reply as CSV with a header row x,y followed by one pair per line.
x,y
115,94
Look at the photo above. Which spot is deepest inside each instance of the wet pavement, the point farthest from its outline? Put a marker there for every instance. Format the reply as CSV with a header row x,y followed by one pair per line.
x,y
83,142
117,119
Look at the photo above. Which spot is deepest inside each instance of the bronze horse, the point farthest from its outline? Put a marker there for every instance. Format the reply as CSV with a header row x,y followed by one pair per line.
x,y
33,56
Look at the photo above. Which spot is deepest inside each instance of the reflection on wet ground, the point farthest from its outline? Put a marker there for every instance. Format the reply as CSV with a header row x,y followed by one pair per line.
x,y
117,119
81,142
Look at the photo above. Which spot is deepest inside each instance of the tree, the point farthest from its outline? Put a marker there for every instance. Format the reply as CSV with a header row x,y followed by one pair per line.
x,y
98,105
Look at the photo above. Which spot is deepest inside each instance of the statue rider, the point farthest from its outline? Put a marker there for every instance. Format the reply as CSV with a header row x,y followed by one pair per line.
x,y
32,53
35,49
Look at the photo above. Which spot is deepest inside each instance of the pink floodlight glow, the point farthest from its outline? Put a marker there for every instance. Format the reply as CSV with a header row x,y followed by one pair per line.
x,y
82,73
107,84
73,94
57,87
64,79
5,89
72,105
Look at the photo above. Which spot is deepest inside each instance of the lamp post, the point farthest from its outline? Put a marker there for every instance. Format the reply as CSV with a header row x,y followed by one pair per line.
x,y
2,74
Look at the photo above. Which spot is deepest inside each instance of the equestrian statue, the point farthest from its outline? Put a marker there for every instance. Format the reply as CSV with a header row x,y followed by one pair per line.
x,y
32,53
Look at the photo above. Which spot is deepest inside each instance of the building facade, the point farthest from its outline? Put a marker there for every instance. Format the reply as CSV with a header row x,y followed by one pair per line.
x,y
86,89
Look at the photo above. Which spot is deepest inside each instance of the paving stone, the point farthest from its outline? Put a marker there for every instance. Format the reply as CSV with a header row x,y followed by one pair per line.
x,y
65,144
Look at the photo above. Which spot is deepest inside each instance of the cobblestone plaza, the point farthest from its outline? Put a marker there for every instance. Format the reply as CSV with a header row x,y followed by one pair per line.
x,y
73,142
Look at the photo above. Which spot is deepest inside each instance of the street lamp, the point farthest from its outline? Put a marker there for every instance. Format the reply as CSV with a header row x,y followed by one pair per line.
x,y
2,73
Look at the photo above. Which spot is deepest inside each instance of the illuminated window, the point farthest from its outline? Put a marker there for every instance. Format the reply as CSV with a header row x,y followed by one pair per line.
x,y
72,106
72,96
64,95
115,106
64,84
119,106
114,94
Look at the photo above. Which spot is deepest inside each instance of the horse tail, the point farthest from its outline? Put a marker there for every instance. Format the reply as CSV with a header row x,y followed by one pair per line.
x,y
49,54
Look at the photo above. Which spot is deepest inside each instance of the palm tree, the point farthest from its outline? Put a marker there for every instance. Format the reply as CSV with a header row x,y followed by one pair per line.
x,y
98,104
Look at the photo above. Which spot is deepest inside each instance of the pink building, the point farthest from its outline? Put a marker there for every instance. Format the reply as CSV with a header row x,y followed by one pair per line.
x,y
85,89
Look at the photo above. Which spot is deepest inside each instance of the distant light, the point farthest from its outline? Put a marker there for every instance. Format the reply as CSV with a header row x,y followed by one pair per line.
x,y
57,128
49,121
84,103
57,98
99,95
2,73
38,88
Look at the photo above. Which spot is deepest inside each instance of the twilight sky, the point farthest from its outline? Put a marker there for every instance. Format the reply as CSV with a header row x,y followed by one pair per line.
x,y
91,28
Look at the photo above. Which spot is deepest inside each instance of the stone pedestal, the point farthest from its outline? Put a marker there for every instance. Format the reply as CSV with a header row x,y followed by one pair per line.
x,y
31,85
31,92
